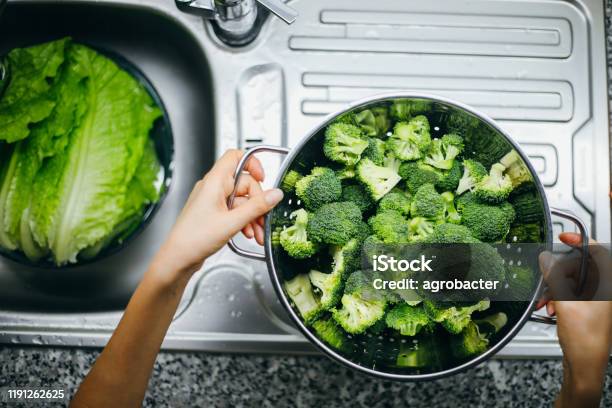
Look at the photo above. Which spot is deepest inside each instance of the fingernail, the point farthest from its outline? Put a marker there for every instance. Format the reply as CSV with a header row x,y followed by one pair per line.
x,y
273,196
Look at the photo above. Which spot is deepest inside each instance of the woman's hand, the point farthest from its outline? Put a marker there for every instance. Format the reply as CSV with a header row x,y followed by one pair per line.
x,y
584,328
206,223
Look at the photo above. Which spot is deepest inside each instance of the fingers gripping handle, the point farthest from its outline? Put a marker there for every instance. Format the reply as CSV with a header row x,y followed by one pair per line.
x,y
584,235
230,201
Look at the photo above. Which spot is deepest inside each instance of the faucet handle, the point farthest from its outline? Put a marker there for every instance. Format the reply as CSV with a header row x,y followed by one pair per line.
x,y
280,9
202,8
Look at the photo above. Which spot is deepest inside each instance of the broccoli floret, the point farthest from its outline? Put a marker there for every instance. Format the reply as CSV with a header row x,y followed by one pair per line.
x,y
454,317
485,264
450,212
344,143
516,168
404,109
328,287
488,223
371,246
334,223
395,200
288,183
474,339
520,283
355,193
420,229
461,123
528,208
294,239
410,140
427,203
275,237
329,331
494,187
473,172
373,122
392,162
417,174
321,186
346,173
485,145
469,342
390,226
375,151
363,232
522,233
452,234
377,180
443,151
300,292
357,313
409,320
449,180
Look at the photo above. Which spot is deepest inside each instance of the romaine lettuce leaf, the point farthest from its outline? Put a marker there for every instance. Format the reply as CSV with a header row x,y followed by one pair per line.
x,y
26,99
81,191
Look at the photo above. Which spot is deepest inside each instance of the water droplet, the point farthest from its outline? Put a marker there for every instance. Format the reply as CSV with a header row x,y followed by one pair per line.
x,y
231,297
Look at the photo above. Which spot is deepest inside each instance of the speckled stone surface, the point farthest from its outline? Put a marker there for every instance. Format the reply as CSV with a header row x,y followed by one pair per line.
x,y
213,380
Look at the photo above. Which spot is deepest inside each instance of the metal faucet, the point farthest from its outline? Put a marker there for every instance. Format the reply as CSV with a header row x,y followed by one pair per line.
x,y
237,22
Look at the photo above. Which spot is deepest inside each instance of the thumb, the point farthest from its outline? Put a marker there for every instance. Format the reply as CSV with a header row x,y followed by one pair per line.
x,y
254,207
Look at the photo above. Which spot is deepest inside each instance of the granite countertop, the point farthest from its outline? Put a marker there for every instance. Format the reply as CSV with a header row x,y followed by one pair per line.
x,y
201,379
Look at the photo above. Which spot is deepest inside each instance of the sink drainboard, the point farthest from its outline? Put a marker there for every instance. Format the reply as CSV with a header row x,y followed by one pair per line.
x,y
536,66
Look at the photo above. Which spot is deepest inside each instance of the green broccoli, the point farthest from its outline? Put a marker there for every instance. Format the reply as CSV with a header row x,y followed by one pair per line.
x,y
363,232
373,122
371,246
488,223
452,234
409,320
362,307
486,264
275,237
334,223
344,143
420,229
328,331
523,233
288,183
461,123
328,287
428,351
375,151
474,339
376,179
294,239
473,172
390,226
405,109
452,316
520,284
355,193
449,180
320,187
443,151
417,174
485,145
450,212
427,203
392,162
469,342
528,208
410,140
494,187
516,168
346,173
300,292
395,200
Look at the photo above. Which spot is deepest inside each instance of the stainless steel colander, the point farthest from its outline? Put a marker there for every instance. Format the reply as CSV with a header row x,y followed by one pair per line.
x,y
377,354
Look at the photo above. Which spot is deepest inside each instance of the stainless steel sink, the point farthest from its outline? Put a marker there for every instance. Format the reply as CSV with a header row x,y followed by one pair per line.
x,y
536,66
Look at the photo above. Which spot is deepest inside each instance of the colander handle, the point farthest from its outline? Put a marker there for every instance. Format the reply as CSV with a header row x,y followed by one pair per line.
x,y
230,201
584,234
